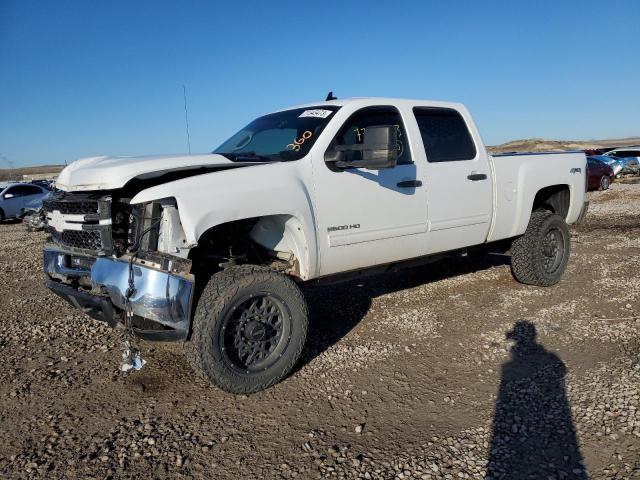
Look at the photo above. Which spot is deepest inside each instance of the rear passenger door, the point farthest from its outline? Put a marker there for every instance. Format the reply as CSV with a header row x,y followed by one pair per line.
x,y
458,180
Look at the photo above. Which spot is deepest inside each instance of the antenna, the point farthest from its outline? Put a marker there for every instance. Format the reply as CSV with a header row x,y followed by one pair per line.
x,y
186,117
330,96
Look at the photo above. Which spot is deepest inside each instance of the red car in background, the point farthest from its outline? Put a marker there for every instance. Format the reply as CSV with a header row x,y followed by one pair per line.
x,y
600,174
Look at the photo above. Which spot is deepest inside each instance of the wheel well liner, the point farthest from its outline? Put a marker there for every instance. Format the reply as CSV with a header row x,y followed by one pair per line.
x,y
555,198
261,240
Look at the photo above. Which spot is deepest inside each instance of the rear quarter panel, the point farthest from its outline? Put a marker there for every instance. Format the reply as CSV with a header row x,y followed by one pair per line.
x,y
518,178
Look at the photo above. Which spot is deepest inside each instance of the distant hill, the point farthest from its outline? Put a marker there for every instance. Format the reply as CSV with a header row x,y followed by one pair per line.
x,y
40,171
542,145
524,145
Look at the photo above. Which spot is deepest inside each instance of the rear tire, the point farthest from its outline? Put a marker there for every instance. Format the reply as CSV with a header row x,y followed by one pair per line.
x,y
605,182
249,329
540,256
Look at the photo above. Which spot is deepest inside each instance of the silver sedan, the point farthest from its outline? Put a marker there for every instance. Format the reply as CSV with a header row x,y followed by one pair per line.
x,y
15,198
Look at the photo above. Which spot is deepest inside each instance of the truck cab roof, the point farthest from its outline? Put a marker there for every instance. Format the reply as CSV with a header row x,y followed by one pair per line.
x,y
369,101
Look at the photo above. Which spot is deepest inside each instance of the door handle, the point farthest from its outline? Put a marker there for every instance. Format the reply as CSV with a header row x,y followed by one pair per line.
x,y
409,184
474,177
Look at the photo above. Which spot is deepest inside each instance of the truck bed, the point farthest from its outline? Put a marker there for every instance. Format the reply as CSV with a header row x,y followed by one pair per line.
x,y
517,179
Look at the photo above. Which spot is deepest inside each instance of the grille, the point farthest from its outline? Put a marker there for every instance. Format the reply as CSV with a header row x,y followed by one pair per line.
x,y
72,207
93,236
84,239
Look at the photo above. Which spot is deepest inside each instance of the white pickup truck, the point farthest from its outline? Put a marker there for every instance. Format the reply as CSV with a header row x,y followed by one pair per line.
x,y
215,249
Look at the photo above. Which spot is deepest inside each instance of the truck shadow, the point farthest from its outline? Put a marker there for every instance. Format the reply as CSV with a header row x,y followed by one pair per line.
x,y
334,310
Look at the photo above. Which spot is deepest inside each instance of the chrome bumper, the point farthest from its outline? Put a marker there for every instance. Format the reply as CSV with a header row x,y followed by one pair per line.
x,y
163,298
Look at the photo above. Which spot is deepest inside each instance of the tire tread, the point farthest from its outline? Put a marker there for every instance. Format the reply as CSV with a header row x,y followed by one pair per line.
x,y
525,262
215,298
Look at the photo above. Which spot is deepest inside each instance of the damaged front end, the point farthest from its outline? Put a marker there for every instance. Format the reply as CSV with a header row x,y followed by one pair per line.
x,y
107,257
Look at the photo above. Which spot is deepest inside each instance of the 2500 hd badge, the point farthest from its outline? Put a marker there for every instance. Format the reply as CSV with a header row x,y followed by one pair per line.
x,y
343,227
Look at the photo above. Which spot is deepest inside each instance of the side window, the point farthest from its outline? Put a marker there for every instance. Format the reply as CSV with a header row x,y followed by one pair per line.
x,y
31,190
445,134
11,190
353,131
17,191
20,190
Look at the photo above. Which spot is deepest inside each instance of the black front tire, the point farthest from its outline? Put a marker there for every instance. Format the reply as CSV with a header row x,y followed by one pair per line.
x,y
249,329
540,256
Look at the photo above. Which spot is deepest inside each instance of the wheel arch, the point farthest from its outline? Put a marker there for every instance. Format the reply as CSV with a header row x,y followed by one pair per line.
x,y
555,198
278,240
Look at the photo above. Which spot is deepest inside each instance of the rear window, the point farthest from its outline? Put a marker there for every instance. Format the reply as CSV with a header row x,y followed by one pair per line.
x,y
445,134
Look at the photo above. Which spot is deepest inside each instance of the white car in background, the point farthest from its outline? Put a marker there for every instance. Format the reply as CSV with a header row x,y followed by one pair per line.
x,y
629,158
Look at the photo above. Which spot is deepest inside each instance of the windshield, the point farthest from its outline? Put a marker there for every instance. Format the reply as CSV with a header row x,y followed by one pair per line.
x,y
280,136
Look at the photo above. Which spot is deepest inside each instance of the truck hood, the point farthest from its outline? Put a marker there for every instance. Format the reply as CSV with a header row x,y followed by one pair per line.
x,y
107,173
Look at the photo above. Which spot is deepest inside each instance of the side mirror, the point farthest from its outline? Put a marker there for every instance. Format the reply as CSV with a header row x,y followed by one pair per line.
x,y
7,196
378,150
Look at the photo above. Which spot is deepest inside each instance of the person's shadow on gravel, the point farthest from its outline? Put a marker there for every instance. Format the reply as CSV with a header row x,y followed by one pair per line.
x,y
533,432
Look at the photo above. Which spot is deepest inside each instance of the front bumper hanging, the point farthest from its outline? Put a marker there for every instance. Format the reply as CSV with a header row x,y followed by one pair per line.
x,y
161,300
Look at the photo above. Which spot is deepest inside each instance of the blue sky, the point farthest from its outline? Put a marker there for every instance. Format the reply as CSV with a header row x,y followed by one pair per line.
x,y
83,78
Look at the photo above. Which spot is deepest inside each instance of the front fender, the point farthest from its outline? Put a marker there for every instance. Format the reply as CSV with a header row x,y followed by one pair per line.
x,y
205,201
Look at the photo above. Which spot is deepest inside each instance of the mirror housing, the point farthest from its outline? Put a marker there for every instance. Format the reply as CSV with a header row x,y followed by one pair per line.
x,y
7,196
379,150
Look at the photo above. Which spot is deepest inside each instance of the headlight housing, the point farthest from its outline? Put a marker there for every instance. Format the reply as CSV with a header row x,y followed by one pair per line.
x,y
155,226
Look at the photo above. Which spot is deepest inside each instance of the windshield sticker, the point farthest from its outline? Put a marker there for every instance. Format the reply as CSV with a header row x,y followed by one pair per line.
x,y
295,146
318,113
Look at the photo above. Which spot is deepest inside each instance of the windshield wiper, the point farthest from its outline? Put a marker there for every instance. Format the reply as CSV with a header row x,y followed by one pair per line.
x,y
247,156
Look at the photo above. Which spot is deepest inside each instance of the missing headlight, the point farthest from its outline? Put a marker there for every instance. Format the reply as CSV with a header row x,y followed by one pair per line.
x,y
144,226
155,226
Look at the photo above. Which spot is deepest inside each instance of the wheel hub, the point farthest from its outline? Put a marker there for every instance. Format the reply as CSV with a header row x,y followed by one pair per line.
x,y
552,250
253,333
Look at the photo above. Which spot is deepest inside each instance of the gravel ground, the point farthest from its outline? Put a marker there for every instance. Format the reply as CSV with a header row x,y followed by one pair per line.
x,y
449,371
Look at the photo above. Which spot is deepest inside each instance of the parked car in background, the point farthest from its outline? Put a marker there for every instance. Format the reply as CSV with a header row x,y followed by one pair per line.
x,y
48,184
16,197
629,158
600,174
34,218
615,163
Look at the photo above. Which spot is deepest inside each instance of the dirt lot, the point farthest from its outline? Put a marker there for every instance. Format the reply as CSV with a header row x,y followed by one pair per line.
x,y
409,375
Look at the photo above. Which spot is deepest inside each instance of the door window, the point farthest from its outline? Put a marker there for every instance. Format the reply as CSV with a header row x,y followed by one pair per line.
x,y
353,131
24,190
12,190
30,190
445,135
626,154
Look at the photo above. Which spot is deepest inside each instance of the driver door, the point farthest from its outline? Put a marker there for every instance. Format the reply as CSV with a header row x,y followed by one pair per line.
x,y
370,217
11,201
